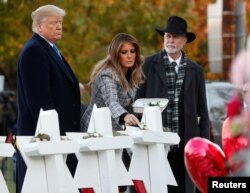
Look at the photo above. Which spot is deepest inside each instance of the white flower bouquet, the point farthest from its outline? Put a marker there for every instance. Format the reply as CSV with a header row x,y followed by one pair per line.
x,y
139,104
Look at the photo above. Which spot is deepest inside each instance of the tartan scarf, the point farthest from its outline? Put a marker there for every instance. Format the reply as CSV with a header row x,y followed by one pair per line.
x,y
174,83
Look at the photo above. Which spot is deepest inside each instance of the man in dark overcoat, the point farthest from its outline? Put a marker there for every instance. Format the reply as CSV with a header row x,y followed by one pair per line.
x,y
171,74
46,81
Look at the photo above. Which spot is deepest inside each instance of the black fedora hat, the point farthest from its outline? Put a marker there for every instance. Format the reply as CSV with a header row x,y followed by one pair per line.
x,y
177,25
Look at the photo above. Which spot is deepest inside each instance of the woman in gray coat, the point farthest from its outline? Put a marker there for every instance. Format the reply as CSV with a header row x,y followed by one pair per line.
x,y
113,83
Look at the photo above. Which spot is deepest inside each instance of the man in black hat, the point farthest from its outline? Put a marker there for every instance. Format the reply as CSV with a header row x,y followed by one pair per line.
x,y
171,74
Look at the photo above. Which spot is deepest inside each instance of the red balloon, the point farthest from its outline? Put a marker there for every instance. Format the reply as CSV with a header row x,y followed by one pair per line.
x,y
204,159
232,145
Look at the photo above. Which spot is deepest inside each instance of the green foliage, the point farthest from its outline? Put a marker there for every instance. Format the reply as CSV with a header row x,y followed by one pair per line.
x,y
90,25
13,32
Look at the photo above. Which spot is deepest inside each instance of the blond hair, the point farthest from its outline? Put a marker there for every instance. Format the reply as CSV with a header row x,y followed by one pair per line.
x,y
44,11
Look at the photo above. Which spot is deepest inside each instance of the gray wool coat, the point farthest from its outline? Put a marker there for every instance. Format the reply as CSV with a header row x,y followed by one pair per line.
x,y
106,91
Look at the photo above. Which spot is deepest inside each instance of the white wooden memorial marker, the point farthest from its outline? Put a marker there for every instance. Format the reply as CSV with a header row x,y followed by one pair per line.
x,y
47,171
149,161
100,163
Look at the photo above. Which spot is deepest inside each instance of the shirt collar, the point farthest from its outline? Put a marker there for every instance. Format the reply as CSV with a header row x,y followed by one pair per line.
x,y
51,44
177,61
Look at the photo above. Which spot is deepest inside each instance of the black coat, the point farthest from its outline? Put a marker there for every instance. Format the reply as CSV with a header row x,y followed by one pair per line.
x,y
193,94
192,101
44,81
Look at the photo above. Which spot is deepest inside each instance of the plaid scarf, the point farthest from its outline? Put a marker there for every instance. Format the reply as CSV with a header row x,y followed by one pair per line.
x,y
174,83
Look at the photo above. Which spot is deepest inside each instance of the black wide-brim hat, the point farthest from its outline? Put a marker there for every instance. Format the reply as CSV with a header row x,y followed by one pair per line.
x,y
177,25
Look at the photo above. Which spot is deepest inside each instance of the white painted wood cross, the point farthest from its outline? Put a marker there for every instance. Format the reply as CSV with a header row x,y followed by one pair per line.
x,y
47,171
100,163
149,161
6,150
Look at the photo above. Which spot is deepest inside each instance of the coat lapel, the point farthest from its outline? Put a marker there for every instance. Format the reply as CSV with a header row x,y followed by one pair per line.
x,y
62,64
159,68
131,93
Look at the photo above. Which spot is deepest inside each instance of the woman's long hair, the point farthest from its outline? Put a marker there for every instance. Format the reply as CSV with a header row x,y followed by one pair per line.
x,y
112,61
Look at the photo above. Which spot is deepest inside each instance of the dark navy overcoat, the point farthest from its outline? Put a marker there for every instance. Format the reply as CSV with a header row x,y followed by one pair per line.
x,y
45,81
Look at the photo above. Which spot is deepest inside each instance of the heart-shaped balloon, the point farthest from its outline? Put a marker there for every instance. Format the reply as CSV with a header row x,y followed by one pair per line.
x,y
204,159
232,144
